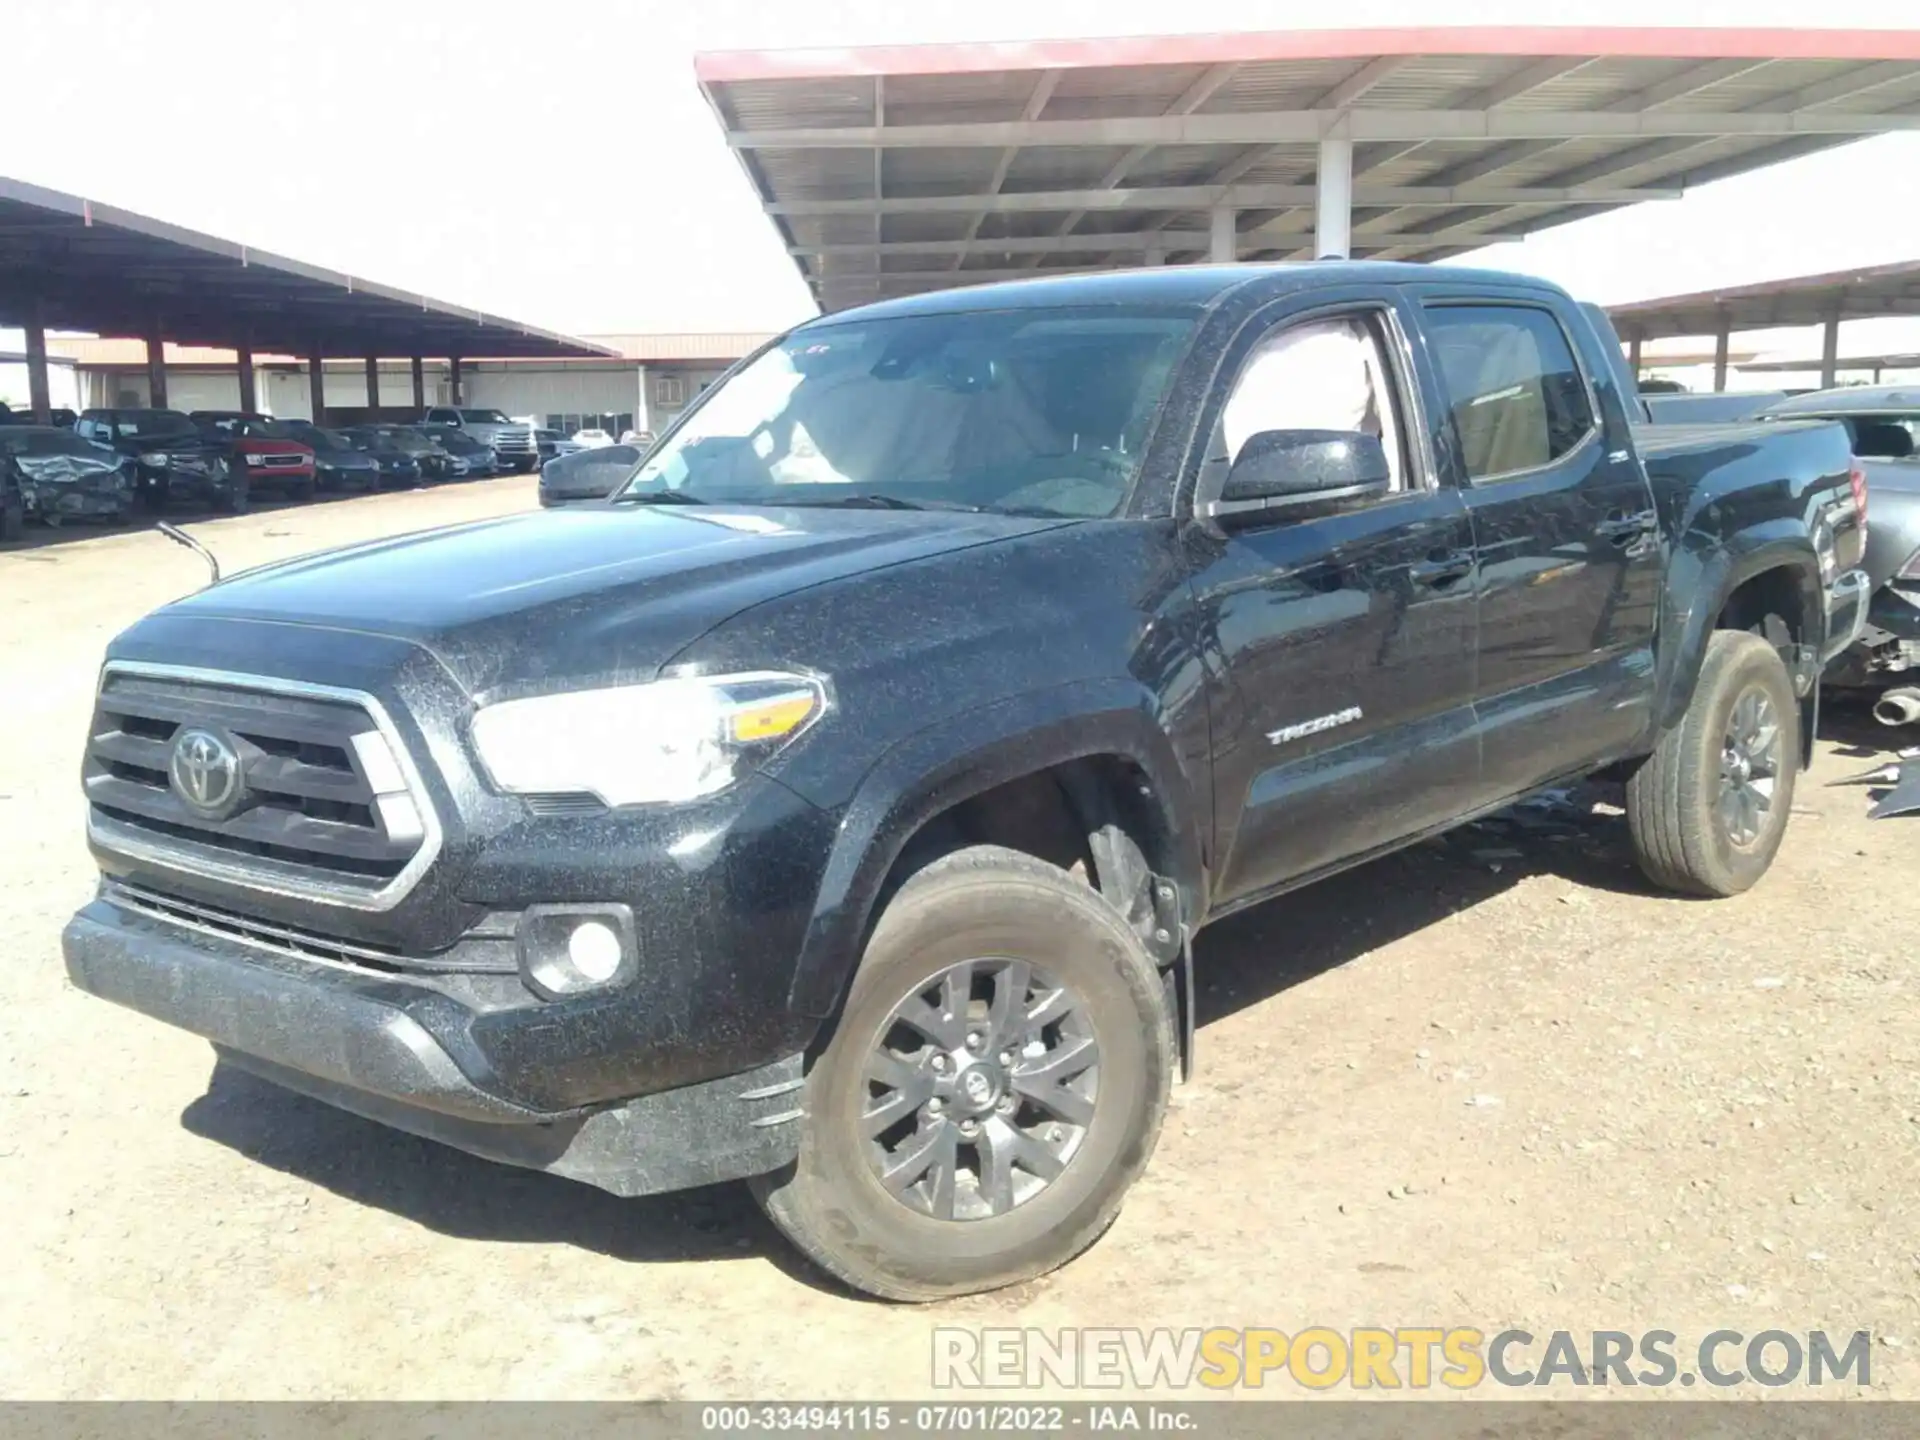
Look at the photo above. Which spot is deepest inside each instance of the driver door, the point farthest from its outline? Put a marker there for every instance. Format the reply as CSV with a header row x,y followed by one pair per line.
x,y
1343,700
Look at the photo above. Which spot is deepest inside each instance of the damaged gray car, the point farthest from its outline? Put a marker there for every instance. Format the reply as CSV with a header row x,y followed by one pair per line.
x,y
53,475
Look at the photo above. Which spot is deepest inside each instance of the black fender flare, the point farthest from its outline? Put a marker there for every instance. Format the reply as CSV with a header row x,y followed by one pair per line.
x,y
1699,584
962,756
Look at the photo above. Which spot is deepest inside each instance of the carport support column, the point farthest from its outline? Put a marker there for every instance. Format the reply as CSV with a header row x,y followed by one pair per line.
x,y
459,390
39,391
1633,358
1721,338
420,385
243,368
156,370
1224,247
373,388
317,387
1333,200
1830,353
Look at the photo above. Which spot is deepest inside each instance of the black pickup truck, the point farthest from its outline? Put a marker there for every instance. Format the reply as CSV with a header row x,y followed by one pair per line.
x,y
835,806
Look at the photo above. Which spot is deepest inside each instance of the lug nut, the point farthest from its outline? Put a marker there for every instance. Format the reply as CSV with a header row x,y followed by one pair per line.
x,y
935,1105
940,1062
1005,1107
973,1041
968,1127
1006,1057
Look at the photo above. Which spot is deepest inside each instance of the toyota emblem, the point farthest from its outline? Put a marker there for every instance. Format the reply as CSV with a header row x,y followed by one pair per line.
x,y
205,770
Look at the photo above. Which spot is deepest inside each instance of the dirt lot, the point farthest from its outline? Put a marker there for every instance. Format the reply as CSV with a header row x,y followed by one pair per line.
x,y
1491,1082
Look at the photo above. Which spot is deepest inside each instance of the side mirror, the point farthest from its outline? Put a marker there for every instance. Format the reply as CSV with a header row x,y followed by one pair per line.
x,y
1289,474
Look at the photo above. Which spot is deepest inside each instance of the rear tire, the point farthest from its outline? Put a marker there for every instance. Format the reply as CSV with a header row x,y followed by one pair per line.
x,y
1709,807
1034,1145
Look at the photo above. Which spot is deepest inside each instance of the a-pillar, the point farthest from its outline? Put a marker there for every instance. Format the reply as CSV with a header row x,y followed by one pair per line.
x,y
419,386
156,370
1223,247
317,387
1721,338
373,388
1333,200
39,391
1830,353
243,367
454,384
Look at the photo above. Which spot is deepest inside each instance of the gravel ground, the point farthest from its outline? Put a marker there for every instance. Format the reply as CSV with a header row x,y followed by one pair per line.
x,y
1493,1081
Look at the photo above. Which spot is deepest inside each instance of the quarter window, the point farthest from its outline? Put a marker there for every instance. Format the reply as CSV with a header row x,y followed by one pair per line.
x,y
1516,393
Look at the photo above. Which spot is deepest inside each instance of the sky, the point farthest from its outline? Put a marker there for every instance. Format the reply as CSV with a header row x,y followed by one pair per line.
x,y
555,162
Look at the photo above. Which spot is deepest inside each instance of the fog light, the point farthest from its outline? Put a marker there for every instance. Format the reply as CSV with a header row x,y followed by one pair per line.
x,y
568,950
594,949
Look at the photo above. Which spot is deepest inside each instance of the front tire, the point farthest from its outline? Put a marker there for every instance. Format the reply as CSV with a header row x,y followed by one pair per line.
x,y
1709,808
994,1085
13,518
237,497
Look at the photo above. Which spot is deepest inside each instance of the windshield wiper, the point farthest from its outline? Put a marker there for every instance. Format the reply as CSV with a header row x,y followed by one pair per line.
x,y
873,500
658,497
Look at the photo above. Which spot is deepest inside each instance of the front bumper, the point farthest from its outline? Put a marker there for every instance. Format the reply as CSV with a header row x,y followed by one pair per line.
x,y
405,1052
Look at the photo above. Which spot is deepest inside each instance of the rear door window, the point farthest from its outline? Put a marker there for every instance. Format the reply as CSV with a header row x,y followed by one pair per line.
x,y
1516,394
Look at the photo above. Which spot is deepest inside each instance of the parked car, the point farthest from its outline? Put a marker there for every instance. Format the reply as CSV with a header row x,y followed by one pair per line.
x,y
476,455
591,439
512,441
53,475
59,417
338,464
1883,425
173,457
415,442
552,443
587,474
398,466
258,449
835,807
642,438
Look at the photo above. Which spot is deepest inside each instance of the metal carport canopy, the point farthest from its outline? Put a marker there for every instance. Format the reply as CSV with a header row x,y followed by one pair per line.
x,y
1868,294
71,263
899,169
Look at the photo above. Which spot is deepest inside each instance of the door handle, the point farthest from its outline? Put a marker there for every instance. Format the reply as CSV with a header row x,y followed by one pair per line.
x,y
1623,529
1442,568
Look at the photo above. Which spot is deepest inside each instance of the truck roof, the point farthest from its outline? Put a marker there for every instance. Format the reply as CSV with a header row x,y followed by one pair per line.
x,y
1196,285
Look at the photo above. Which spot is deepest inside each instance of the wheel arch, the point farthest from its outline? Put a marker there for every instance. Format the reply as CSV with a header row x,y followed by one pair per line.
x,y
1093,739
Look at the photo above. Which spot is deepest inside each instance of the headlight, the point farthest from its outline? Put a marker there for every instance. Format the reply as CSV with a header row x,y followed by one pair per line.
x,y
255,458
156,458
668,741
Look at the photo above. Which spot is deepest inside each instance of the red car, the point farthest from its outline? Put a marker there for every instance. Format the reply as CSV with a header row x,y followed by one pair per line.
x,y
260,452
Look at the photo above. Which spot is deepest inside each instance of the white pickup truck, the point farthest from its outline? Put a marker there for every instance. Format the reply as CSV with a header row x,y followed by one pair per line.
x,y
512,441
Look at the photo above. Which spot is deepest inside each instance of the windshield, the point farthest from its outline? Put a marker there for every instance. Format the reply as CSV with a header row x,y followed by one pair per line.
x,y
51,442
1021,411
410,441
484,417
148,424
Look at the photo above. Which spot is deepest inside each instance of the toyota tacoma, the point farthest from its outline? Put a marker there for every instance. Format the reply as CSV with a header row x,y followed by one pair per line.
x,y
834,806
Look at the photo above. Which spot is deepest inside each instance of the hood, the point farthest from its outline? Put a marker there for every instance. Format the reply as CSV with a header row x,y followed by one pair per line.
x,y
262,445
594,595
66,469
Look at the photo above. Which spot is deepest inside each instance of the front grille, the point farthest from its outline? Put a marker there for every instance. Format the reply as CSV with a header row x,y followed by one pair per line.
x,y
513,442
282,462
322,803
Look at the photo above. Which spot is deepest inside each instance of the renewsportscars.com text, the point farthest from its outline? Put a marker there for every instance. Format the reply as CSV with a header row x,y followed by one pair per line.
x,y
1405,1357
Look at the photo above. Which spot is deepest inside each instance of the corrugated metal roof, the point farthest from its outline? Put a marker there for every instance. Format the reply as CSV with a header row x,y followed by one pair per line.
x,y
1497,131
718,346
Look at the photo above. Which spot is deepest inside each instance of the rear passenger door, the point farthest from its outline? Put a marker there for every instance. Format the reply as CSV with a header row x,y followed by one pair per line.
x,y
1568,544
1342,703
